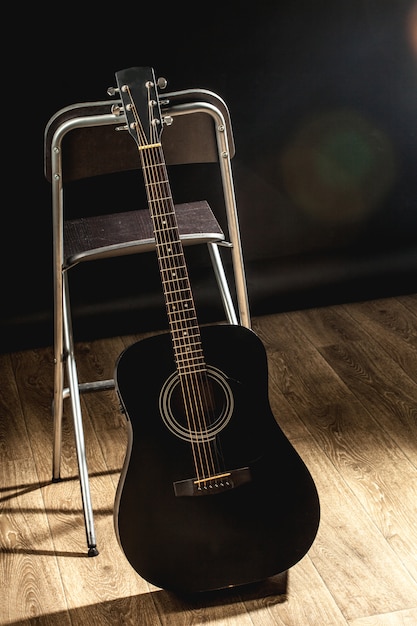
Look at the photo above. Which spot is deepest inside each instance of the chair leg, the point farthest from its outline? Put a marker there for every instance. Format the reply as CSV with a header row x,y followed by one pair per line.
x,y
222,283
74,394
57,410
58,397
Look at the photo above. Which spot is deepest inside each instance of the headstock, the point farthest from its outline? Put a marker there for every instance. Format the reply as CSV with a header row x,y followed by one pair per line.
x,y
137,89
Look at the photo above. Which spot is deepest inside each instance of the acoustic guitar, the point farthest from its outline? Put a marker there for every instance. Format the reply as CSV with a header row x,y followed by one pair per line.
x,y
211,494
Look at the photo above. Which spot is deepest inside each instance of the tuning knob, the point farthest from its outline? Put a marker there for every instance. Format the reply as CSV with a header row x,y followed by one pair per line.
x,y
116,109
111,91
162,82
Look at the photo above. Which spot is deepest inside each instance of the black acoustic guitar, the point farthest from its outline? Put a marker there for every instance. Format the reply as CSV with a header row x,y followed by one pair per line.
x,y
211,494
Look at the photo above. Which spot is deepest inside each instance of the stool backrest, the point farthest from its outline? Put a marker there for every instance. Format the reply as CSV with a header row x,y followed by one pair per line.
x,y
95,147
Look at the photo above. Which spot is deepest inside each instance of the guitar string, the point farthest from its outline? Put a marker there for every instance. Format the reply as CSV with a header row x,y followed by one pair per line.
x,y
197,394
189,350
158,196
194,395
194,372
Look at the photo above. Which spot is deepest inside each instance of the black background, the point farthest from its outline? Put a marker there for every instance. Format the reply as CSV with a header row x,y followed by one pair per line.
x,y
273,62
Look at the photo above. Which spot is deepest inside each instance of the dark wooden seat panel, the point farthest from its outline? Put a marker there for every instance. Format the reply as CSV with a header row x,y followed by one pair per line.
x,y
124,233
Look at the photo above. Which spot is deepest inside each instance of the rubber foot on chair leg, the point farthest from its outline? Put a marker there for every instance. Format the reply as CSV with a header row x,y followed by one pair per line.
x,y
93,551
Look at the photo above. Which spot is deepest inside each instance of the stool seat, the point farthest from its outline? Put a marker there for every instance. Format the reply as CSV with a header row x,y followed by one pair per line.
x,y
130,232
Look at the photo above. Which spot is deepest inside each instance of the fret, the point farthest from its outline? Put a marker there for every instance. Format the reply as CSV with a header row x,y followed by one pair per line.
x,y
190,348
151,166
187,370
172,263
154,189
186,341
166,234
192,331
189,360
182,311
163,227
187,303
177,314
186,311
178,330
177,269
169,213
180,319
188,356
181,324
191,368
185,333
170,292
171,257
180,340
162,219
169,233
165,222
159,199
177,285
174,307
174,285
158,182
186,373
171,248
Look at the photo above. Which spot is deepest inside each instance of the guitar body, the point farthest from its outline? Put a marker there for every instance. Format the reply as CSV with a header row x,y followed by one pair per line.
x,y
184,539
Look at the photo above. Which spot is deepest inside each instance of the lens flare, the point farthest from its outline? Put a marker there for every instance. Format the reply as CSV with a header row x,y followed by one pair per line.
x,y
338,166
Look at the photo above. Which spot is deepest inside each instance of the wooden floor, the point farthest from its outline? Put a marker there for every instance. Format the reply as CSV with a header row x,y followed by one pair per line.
x,y
343,387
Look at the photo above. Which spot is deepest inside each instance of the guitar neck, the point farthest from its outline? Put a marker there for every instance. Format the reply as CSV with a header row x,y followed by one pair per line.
x,y
182,317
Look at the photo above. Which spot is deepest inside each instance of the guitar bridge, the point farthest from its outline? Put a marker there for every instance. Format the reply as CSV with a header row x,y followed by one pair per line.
x,y
212,485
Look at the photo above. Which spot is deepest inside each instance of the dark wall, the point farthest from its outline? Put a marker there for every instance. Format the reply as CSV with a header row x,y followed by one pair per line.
x,y
323,97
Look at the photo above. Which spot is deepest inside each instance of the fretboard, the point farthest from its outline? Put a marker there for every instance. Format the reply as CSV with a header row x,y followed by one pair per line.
x,y
182,318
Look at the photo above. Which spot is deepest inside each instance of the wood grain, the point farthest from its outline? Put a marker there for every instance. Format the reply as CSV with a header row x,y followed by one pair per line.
x,y
343,387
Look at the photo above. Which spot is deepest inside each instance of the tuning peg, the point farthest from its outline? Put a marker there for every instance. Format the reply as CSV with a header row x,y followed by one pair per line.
x,y
116,109
111,91
162,82
167,120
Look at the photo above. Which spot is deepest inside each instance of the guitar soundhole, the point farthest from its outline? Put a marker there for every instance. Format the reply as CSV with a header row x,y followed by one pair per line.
x,y
205,411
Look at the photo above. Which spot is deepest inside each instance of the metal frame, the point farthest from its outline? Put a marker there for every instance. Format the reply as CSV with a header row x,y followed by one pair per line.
x,y
63,337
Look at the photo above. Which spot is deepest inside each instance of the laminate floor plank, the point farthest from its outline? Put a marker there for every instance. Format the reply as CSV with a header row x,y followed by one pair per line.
x,y
407,617
361,571
346,431
29,573
385,482
409,301
366,367
387,393
30,578
14,441
342,387
390,324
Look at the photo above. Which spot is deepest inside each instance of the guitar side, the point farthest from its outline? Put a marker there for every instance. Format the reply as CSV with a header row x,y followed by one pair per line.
x,y
185,542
